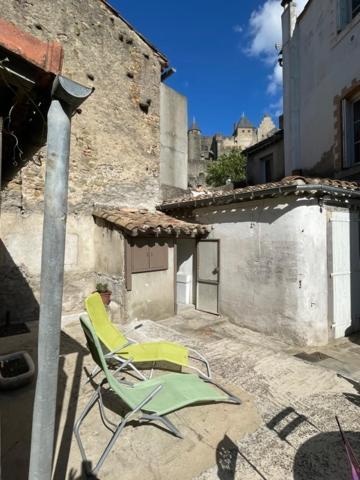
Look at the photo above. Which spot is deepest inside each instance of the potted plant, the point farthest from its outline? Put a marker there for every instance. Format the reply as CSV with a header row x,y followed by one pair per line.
x,y
105,293
16,369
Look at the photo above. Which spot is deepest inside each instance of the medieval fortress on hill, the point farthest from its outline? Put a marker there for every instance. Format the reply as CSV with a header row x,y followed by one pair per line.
x,y
203,149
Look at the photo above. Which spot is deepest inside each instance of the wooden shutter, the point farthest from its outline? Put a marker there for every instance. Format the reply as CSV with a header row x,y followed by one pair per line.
x,y
343,14
158,256
347,133
140,256
146,255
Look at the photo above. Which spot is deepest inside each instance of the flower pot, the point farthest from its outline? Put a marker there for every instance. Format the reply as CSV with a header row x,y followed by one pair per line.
x,y
16,369
106,297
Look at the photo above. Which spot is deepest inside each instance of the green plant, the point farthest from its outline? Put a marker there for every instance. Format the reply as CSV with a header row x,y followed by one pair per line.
x,y
231,165
102,287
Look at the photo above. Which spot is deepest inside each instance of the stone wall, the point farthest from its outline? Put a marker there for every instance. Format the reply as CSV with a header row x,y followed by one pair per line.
x,y
115,142
115,145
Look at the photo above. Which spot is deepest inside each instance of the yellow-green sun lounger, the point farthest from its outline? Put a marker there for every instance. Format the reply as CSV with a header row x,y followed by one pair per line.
x,y
121,348
151,399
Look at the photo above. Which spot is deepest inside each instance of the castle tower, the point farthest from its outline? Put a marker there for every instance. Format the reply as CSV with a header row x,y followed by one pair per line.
x,y
245,134
194,153
266,127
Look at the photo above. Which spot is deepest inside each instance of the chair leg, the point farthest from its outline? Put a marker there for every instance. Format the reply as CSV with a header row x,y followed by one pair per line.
x,y
168,424
109,446
97,398
93,374
78,423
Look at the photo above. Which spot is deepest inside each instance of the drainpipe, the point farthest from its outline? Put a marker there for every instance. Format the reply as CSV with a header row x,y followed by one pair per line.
x,y
66,97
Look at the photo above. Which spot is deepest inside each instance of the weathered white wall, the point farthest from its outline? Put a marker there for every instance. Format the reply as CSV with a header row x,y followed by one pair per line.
x,y
152,294
273,266
20,263
173,138
186,262
255,169
318,64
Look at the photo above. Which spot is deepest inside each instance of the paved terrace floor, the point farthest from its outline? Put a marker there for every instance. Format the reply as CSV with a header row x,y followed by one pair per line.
x,y
285,428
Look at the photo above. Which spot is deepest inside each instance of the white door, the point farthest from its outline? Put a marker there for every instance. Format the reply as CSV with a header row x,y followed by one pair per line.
x,y
345,268
207,281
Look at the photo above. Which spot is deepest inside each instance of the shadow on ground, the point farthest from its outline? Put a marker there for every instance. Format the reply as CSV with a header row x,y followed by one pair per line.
x,y
18,404
323,457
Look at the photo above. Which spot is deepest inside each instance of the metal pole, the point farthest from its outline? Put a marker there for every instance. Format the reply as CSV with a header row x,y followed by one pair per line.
x,y
67,95
1,142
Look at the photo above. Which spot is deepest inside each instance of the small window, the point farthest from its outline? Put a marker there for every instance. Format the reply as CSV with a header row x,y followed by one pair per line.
x,y
355,7
351,132
347,10
356,113
144,255
267,167
148,255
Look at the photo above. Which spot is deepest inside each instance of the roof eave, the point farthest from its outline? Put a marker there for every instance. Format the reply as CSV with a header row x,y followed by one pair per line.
x,y
254,195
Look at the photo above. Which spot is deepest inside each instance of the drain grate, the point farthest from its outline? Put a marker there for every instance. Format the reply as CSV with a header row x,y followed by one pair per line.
x,y
313,357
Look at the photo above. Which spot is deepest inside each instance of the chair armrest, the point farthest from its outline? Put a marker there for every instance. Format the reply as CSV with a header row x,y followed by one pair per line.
x,y
120,347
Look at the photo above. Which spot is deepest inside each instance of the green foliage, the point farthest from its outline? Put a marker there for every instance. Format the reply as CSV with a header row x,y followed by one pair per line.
x,y
102,287
231,165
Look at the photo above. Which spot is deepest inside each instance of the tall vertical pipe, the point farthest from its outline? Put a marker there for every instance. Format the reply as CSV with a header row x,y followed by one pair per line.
x,y
66,96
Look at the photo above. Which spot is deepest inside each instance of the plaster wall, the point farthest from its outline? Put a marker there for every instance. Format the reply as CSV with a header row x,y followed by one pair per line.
x,y
255,165
20,264
173,138
153,293
273,266
186,261
319,65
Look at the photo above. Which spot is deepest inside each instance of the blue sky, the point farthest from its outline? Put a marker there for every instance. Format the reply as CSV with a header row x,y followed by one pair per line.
x,y
223,52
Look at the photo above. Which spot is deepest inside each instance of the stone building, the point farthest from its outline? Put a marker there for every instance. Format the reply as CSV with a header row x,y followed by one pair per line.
x,y
204,149
118,157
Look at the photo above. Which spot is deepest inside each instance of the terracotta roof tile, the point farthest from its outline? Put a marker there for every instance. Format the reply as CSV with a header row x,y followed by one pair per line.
x,y
220,195
142,222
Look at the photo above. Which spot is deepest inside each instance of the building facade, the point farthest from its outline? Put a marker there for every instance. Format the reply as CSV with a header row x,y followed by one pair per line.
x,y
274,260
205,149
119,156
322,88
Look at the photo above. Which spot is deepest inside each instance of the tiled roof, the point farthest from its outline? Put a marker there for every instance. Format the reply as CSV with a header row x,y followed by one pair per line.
x,y
230,196
142,222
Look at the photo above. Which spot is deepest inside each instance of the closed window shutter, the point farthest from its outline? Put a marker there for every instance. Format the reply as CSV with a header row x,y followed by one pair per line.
x,y
347,133
158,256
140,256
343,14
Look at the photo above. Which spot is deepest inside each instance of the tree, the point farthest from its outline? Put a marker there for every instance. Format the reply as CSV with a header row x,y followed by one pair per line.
x,y
230,165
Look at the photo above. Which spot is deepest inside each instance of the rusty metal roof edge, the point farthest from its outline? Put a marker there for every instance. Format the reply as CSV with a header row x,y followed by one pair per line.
x,y
255,194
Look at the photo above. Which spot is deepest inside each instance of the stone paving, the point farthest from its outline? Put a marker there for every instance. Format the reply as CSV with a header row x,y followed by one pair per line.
x,y
285,428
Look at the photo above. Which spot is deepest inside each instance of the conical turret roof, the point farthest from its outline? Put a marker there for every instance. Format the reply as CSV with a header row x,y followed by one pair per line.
x,y
194,126
244,122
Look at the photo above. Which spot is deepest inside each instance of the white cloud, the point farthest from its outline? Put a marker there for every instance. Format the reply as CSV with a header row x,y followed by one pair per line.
x,y
276,108
238,28
265,33
275,80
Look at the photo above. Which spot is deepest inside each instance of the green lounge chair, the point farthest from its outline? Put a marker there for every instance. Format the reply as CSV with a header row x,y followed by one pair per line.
x,y
151,399
121,348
